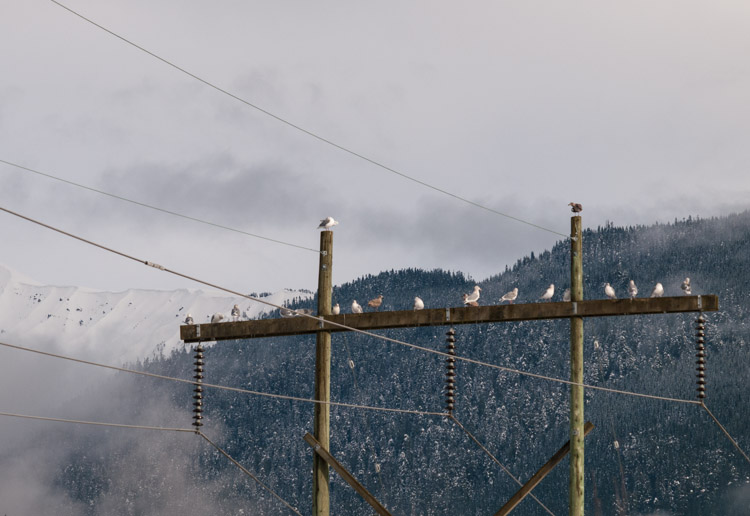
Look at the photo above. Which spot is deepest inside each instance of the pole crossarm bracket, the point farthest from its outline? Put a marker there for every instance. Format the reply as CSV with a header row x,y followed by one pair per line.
x,y
301,325
540,474
342,471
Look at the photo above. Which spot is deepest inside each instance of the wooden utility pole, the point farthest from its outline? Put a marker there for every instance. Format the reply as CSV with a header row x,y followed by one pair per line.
x,y
322,418
575,310
575,485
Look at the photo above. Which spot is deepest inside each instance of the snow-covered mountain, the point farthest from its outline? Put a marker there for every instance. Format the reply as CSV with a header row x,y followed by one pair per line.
x,y
114,326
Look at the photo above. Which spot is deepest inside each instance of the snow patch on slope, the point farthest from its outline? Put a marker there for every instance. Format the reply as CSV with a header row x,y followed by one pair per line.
x,y
115,327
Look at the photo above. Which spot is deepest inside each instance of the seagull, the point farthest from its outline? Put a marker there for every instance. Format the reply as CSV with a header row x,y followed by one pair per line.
x,y
217,318
632,289
609,291
575,207
686,288
375,303
510,296
336,309
304,311
548,293
189,319
327,223
236,312
418,303
473,297
658,290
566,295
286,312
469,303
356,309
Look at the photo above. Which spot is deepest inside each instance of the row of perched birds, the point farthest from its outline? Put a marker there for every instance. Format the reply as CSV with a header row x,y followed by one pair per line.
x,y
471,299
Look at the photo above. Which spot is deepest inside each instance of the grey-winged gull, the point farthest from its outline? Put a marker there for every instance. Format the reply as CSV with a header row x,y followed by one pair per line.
x,y
686,288
327,223
474,296
418,303
658,290
609,291
510,296
548,293
356,308
632,289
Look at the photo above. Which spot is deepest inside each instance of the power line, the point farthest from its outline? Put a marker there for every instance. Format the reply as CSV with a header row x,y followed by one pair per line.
x,y
222,387
96,423
731,439
142,427
462,427
356,330
152,207
302,129
244,470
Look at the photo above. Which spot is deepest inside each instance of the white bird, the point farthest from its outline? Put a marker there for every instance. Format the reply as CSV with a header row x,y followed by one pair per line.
x,y
549,292
356,309
510,296
474,296
189,319
686,288
286,312
327,223
658,290
469,303
236,312
418,303
566,295
632,289
336,309
609,291
217,318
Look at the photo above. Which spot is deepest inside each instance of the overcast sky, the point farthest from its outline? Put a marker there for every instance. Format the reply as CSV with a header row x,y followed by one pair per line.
x,y
639,110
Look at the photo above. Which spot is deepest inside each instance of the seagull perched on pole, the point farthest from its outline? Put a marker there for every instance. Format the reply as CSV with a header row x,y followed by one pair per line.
x,y
469,303
217,318
632,289
575,207
548,293
510,296
327,223
236,313
336,309
286,312
609,291
189,319
356,308
473,297
418,303
658,290
566,295
686,288
375,303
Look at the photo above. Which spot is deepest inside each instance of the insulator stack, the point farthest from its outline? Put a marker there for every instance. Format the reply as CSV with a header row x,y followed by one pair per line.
x,y
198,396
450,372
700,340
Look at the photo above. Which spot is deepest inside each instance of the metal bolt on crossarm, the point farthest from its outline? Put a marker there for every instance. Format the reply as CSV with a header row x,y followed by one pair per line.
x,y
700,334
198,396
